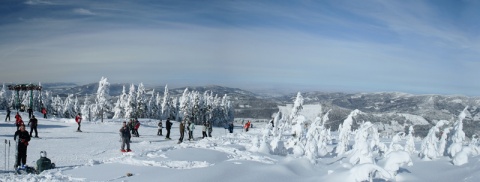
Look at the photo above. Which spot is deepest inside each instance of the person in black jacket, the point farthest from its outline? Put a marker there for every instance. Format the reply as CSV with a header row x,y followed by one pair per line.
x,y
23,139
168,127
33,126
125,134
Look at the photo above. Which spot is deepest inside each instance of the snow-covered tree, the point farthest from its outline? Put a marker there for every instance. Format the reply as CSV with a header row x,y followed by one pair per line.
x,y
69,107
166,104
102,100
141,104
361,152
344,133
429,148
131,103
119,109
458,136
410,143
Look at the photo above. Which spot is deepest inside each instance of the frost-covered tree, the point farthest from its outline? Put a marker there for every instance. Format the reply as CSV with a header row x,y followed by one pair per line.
x,y
102,100
3,98
86,108
57,104
344,133
361,152
131,103
410,143
141,99
165,104
395,142
185,109
458,136
119,108
429,148
69,107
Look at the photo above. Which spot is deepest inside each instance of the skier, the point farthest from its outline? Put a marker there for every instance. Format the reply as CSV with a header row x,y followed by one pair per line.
x,y
159,133
18,121
8,114
44,112
204,130
23,139
44,163
209,126
33,126
125,134
169,126
78,119
182,131
191,127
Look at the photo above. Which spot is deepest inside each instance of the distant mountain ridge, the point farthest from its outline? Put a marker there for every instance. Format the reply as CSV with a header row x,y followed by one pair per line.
x,y
395,110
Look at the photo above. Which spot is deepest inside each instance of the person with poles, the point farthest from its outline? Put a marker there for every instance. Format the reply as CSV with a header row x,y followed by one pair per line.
x,y
23,139
44,163
44,112
33,126
159,133
125,134
78,119
30,112
168,127
8,114
136,125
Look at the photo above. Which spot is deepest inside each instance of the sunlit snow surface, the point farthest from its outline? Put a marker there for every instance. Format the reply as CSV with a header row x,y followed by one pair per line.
x,y
94,155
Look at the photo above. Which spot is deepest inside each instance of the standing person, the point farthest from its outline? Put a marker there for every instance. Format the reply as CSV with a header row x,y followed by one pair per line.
x,y
209,126
78,119
23,139
30,112
159,133
135,128
33,126
130,125
204,130
247,125
44,112
18,120
8,114
125,133
182,131
168,127
191,127
230,127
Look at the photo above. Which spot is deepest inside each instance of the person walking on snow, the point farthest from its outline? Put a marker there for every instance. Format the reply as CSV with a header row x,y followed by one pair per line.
x,y
182,132
44,112
135,127
8,114
159,133
168,127
78,119
125,134
191,127
33,126
23,139
209,127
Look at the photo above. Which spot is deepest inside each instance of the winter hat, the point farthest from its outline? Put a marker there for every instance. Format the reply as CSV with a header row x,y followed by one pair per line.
x,y
43,154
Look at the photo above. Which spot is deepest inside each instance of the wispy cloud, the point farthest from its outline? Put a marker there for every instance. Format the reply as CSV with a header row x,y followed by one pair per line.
x,y
38,2
83,11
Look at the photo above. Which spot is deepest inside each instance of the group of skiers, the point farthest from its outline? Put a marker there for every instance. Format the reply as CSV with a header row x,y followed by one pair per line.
x,y
22,138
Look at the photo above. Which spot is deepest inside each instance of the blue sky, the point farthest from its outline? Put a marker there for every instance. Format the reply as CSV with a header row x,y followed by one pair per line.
x,y
412,46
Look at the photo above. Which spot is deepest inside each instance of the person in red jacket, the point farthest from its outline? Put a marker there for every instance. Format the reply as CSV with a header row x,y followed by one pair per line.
x,y
18,120
44,112
247,126
78,119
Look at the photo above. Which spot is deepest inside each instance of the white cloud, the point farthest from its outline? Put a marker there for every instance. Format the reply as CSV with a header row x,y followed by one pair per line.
x,y
38,2
83,11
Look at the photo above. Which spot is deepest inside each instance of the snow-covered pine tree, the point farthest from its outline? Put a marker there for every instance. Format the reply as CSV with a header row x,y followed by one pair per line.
x,y
166,104
410,143
3,98
344,133
102,100
119,110
86,108
141,109
361,152
458,136
69,107
57,104
429,148
131,103
185,109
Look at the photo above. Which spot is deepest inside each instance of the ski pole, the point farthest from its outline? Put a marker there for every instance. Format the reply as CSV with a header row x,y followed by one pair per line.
x,y
5,154
8,163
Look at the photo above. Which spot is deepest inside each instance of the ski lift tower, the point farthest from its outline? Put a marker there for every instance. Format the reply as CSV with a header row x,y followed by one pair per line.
x,y
24,87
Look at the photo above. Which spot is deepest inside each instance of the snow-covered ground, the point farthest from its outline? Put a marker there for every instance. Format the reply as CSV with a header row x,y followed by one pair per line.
x,y
94,155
